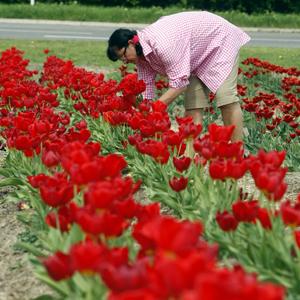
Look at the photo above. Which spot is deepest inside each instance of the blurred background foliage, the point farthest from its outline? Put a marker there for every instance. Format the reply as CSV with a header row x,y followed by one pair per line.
x,y
249,7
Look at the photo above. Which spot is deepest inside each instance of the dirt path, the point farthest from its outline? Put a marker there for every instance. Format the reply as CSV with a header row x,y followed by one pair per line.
x,y
17,281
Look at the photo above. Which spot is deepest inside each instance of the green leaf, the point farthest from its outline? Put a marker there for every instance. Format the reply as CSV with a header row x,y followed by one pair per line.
x,y
75,235
5,172
82,282
60,287
30,248
11,182
44,297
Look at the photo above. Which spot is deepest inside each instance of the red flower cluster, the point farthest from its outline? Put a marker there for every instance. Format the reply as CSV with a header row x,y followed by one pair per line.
x,y
270,67
244,211
151,119
131,86
268,174
13,67
172,263
290,212
226,158
91,93
108,196
56,190
268,106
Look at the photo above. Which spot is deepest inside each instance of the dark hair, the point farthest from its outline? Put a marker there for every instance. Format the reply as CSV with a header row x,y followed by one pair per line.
x,y
118,40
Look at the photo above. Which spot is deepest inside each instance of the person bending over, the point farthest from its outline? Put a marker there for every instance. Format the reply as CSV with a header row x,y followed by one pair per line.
x,y
197,51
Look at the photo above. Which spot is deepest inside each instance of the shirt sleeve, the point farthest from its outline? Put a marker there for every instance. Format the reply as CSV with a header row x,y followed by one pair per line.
x,y
147,74
176,60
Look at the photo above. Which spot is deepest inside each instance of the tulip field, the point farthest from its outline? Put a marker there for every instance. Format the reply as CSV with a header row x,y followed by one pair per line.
x,y
128,199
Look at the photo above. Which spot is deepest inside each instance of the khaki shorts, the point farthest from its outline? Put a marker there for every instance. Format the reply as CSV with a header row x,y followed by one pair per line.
x,y
197,93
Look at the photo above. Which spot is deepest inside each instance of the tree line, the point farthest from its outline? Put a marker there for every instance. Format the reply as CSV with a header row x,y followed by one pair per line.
x,y
247,6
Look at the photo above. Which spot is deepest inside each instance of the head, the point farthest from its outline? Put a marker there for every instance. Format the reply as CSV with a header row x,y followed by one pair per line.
x,y
123,45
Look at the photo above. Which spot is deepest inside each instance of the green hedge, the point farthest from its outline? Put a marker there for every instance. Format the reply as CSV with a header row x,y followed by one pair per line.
x,y
248,6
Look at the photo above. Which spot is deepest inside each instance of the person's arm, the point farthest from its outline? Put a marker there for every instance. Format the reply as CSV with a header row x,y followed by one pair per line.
x,y
147,74
171,94
176,60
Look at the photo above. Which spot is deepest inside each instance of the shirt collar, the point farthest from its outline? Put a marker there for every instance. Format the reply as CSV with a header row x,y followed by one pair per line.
x,y
144,41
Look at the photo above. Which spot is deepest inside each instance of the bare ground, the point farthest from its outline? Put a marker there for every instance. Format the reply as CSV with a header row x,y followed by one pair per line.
x,y
17,281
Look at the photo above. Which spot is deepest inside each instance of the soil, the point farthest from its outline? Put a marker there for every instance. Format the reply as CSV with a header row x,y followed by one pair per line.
x,y
17,280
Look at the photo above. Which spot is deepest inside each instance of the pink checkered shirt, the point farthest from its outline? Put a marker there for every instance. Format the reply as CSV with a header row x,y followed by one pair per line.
x,y
189,43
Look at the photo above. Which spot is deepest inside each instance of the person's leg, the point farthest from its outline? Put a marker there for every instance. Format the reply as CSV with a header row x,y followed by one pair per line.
x,y
195,99
228,101
232,115
197,115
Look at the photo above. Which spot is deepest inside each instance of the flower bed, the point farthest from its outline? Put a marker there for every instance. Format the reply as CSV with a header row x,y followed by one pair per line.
x,y
81,146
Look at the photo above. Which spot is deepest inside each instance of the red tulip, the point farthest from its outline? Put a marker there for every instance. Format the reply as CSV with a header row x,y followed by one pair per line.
x,y
178,184
159,106
297,237
56,191
106,223
182,163
245,211
290,213
62,219
227,221
58,266
50,159
264,218
220,133
86,257
168,234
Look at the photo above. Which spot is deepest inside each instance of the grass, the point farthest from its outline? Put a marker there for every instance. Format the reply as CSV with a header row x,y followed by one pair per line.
x,y
87,53
77,12
93,54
